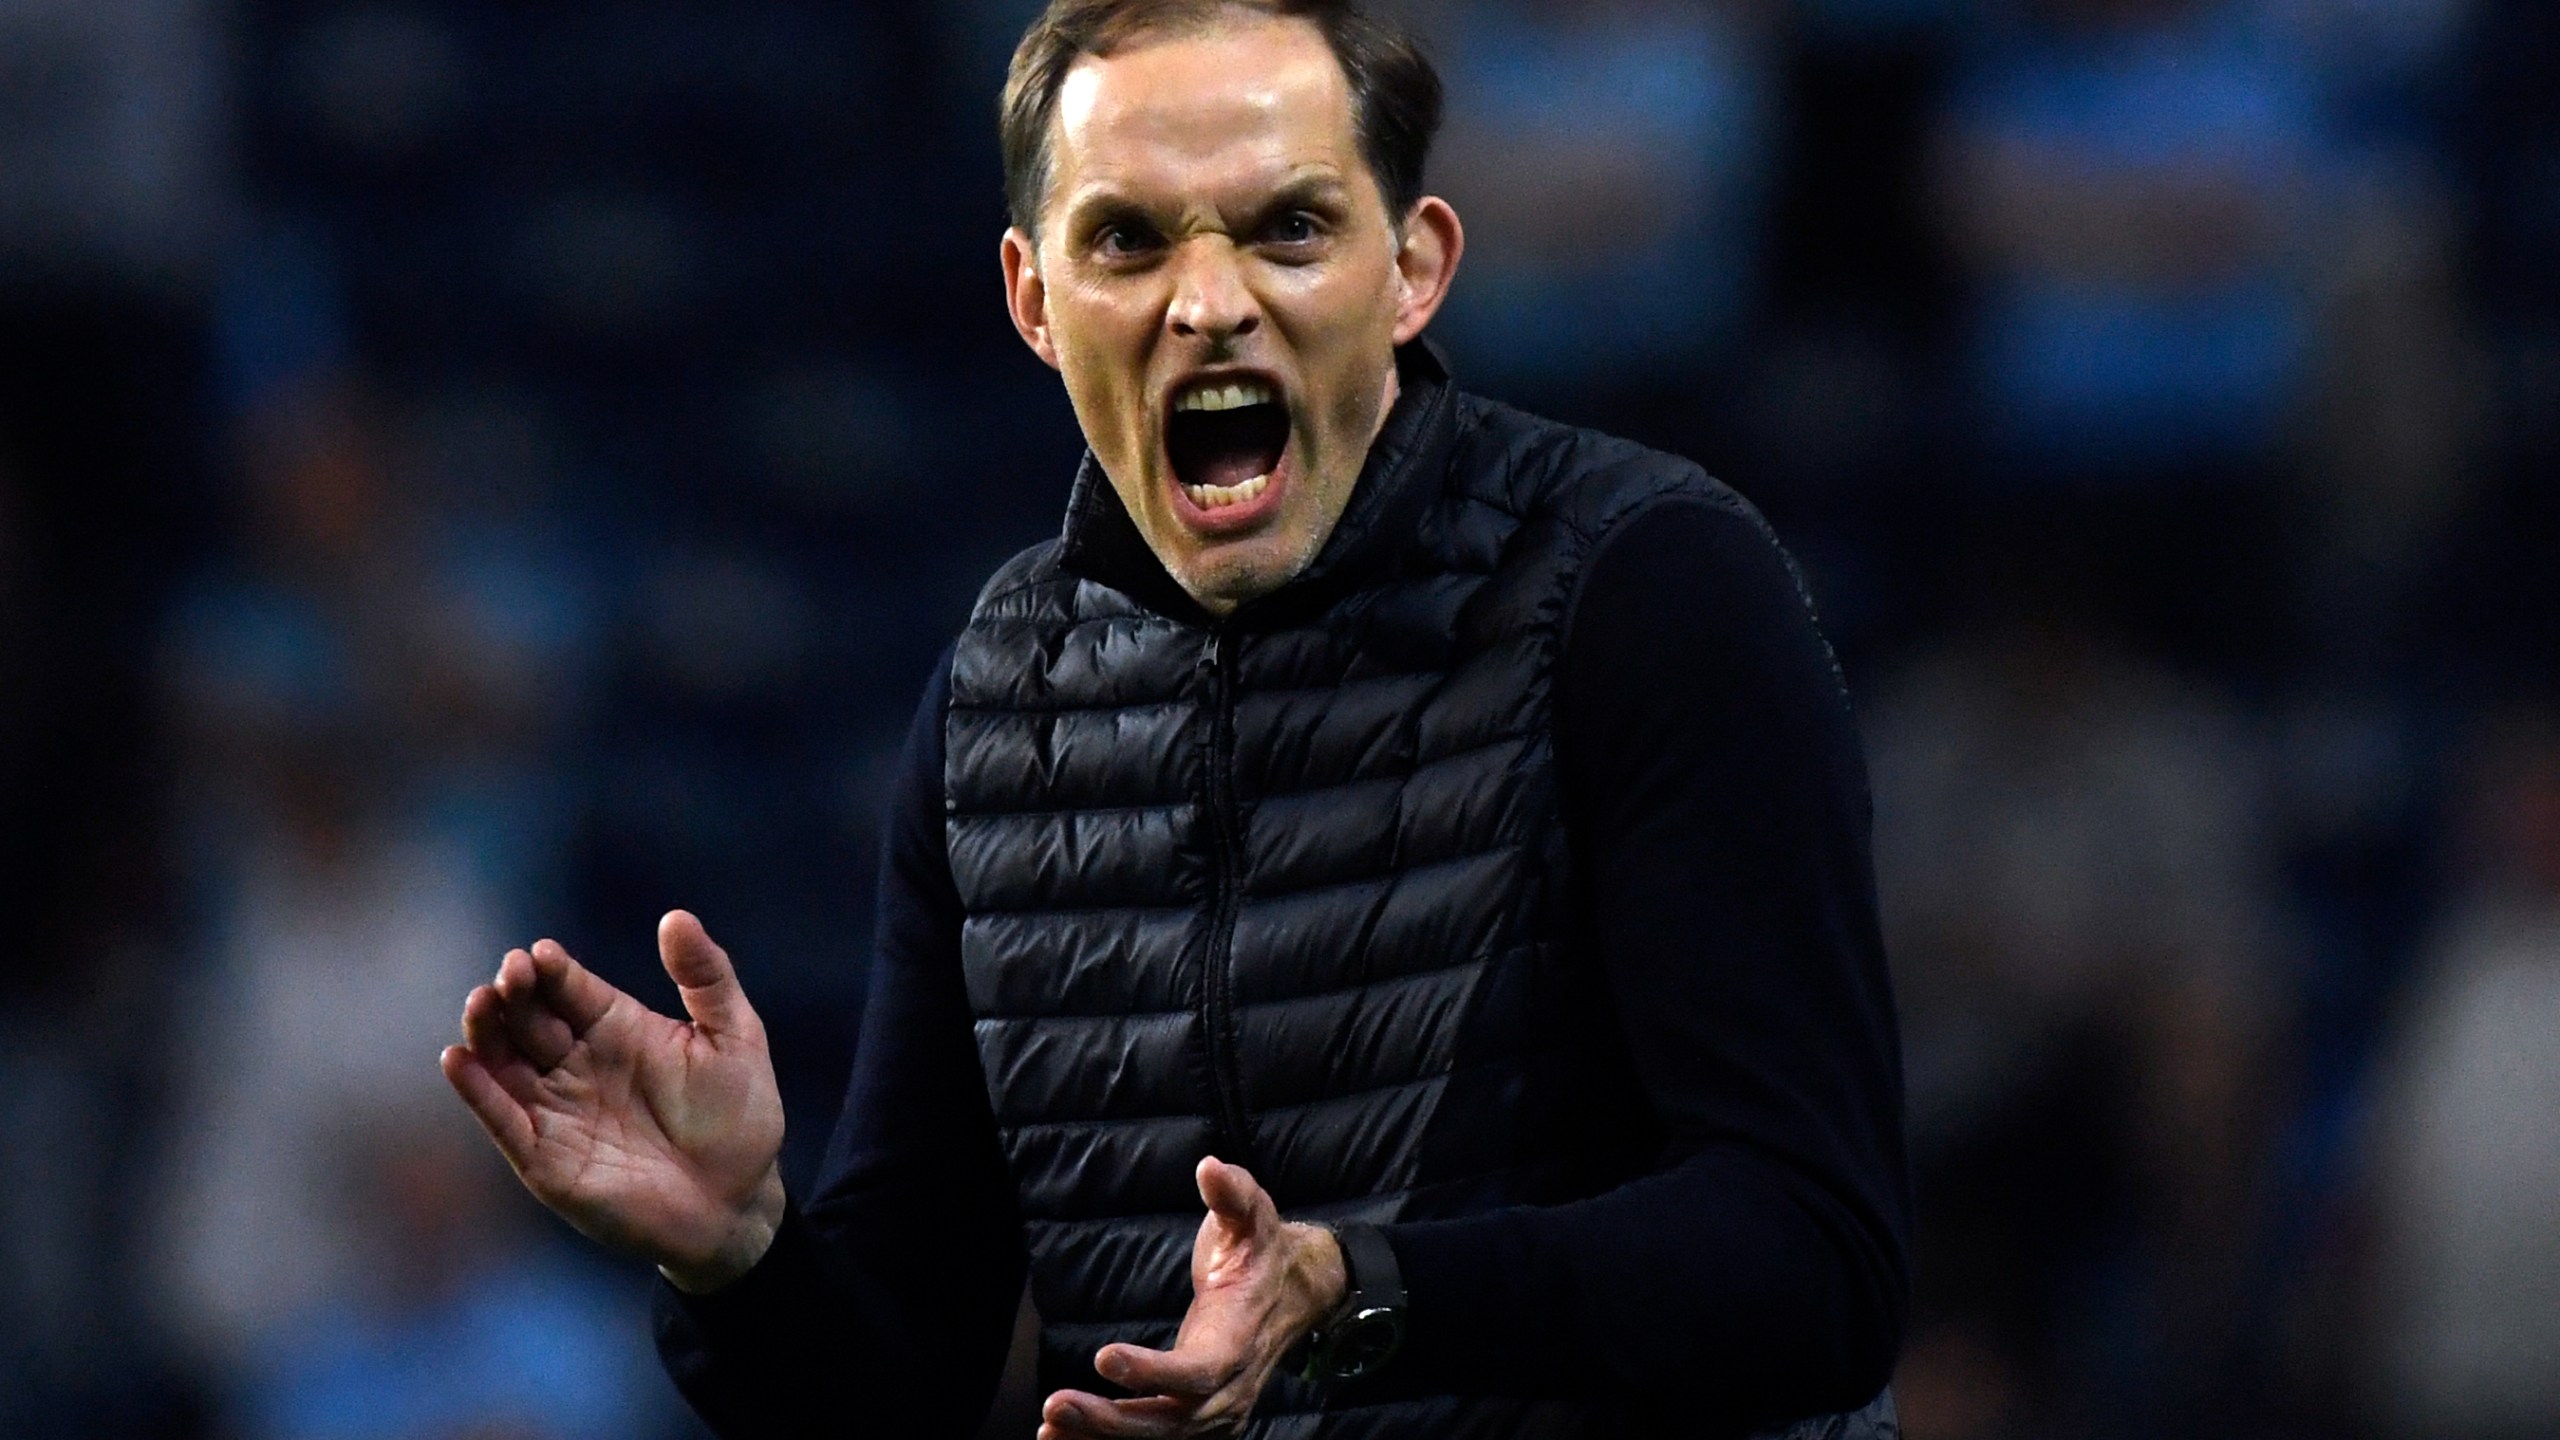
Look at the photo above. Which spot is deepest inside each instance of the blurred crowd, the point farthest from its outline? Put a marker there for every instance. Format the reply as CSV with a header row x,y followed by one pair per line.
x,y
471,471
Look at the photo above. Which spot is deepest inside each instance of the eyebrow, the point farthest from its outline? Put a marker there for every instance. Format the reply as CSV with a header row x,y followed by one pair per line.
x,y
1101,207
1306,189
1107,204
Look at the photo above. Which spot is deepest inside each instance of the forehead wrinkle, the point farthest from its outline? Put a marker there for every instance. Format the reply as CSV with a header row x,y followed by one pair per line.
x,y
1195,128
1087,103
1249,75
1144,106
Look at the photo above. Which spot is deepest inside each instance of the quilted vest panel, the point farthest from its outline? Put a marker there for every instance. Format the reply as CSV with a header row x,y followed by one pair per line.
x,y
1290,890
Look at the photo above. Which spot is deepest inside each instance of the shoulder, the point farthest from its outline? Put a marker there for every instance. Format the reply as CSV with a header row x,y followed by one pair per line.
x,y
1689,562
1652,527
1036,589
1589,483
1692,592
1015,586
1028,599
1657,558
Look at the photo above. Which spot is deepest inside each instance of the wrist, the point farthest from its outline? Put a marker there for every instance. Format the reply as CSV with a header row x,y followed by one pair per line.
x,y
737,1252
1322,1278
1365,1326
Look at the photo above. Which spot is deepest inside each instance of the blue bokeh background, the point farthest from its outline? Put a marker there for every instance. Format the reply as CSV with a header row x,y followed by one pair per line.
x,y
474,470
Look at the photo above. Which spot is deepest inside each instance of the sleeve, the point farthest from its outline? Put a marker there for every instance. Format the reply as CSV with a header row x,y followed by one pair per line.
x,y
899,1274
1717,808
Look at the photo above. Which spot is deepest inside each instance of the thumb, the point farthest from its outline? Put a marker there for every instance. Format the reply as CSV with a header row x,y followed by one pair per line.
x,y
1232,1194
705,980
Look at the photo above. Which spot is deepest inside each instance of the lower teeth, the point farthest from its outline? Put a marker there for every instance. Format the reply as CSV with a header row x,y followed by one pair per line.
x,y
1218,497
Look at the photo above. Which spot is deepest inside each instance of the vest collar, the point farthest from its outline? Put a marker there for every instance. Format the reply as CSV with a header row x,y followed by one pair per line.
x,y
1404,470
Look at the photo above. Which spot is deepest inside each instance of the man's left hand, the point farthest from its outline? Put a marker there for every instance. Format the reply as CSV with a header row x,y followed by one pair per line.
x,y
1258,1283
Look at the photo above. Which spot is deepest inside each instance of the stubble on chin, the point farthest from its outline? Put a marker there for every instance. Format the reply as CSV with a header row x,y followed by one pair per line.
x,y
1222,582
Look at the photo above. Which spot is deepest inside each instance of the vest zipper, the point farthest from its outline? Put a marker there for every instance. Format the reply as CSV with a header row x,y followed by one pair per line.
x,y
1217,1002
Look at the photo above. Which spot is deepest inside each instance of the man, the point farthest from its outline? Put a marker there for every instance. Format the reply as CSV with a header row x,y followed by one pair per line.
x,y
1431,837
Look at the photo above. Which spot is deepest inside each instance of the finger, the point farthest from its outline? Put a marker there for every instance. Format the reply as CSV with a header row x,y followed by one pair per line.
x,y
484,1034
509,1124
1194,1371
517,979
704,977
575,993
484,1028
533,1027
1073,1413
538,1035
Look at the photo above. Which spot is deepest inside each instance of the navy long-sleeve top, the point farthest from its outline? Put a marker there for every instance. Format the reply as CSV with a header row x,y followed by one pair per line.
x,y
1716,804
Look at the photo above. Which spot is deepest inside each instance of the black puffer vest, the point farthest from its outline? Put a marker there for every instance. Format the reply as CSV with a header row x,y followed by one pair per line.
x,y
1290,889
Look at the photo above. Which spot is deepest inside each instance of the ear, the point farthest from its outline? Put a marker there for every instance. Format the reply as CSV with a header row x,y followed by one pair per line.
x,y
1027,296
1426,263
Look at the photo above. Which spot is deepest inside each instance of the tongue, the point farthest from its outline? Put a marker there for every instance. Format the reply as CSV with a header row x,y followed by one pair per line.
x,y
1227,447
1234,467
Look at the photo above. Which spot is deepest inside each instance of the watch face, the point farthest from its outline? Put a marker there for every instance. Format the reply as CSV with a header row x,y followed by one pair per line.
x,y
1364,1342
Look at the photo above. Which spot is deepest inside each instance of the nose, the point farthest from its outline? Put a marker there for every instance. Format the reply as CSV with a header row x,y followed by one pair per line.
x,y
1211,300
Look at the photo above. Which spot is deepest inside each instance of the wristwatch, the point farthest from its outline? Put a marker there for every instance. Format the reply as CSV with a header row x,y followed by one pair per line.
x,y
1366,1329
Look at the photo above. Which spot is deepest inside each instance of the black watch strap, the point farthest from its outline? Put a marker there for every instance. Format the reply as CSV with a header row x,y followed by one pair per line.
x,y
1364,1332
1376,1280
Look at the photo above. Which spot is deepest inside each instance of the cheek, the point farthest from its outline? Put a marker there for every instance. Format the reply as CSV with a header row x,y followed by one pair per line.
x,y
1334,306
1105,377
1343,331
1105,328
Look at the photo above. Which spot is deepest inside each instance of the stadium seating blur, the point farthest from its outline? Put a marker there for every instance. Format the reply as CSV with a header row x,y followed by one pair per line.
x,y
472,470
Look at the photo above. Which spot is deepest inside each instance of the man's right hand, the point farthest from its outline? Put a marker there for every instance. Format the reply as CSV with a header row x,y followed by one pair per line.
x,y
645,1132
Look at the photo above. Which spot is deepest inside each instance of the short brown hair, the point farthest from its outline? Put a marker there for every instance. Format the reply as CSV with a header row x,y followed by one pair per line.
x,y
1395,94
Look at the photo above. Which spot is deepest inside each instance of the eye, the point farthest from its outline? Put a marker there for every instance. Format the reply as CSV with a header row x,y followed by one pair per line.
x,y
1123,238
1294,228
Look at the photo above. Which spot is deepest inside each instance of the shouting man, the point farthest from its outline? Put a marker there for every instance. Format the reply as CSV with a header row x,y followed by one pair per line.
x,y
1432,837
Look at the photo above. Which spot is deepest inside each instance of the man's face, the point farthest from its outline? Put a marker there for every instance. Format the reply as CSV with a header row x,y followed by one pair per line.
x,y
1219,282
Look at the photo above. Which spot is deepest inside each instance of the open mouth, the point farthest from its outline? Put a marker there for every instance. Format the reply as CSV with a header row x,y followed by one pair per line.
x,y
1225,439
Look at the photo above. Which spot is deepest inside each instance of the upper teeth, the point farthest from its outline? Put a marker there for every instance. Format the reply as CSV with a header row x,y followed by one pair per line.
x,y
1224,397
